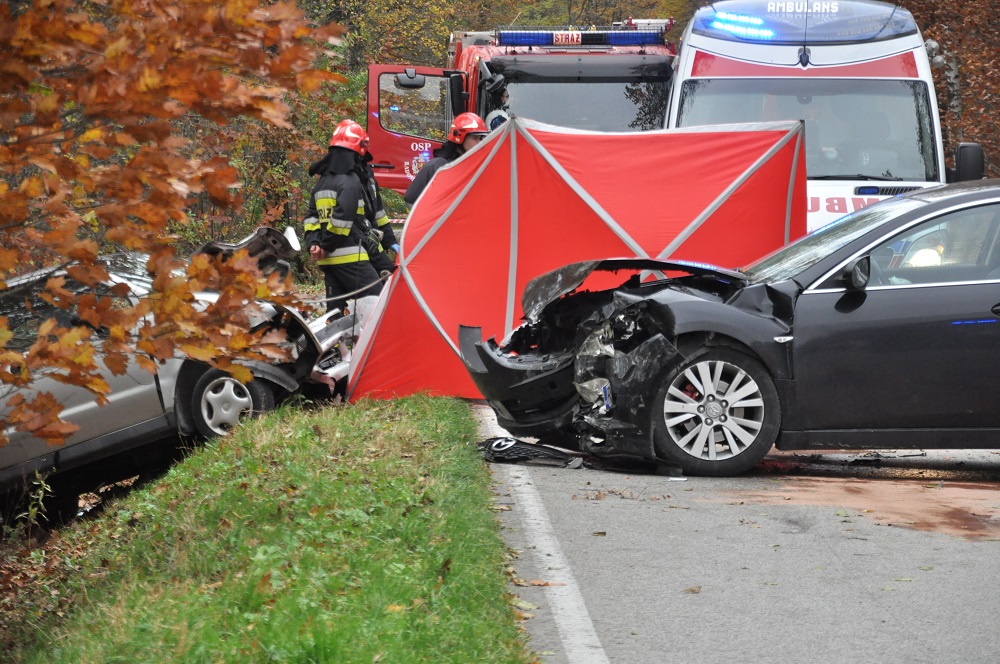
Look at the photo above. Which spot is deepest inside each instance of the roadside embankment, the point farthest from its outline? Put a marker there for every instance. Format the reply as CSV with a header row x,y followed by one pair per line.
x,y
337,534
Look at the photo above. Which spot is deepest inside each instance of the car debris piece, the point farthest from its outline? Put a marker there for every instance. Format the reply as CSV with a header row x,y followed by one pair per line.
x,y
502,449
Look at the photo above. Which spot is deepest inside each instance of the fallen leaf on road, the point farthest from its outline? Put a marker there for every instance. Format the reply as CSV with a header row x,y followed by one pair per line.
x,y
537,582
600,533
693,590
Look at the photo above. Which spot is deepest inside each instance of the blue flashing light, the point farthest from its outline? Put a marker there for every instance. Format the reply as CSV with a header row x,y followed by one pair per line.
x,y
584,38
804,22
740,18
634,38
524,38
867,191
394,108
743,30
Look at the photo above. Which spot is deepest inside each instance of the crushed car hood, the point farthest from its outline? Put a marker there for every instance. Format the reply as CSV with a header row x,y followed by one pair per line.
x,y
550,286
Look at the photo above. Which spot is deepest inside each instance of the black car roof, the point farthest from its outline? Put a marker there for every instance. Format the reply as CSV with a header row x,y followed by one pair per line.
x,y
949,191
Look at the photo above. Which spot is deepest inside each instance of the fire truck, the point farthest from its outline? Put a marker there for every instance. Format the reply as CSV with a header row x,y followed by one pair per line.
x,y
615,78
857,72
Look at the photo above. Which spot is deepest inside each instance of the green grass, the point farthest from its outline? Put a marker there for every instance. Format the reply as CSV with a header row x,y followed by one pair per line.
x,y
346,534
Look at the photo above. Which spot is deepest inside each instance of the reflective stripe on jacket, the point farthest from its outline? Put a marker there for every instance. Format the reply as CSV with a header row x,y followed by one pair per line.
x,y
325,201
345,255
336,219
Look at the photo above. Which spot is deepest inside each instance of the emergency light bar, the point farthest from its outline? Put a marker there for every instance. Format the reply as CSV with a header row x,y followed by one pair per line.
x,y
742,26
626,37
803,21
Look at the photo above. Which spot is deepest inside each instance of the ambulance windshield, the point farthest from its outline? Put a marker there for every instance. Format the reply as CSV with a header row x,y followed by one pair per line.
x,y
855,129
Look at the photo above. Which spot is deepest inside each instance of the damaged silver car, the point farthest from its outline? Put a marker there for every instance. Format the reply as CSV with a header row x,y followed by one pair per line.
x,y
872,332
146,412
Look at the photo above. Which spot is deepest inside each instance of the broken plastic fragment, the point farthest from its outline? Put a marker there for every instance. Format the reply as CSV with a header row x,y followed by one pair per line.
x,y
511,450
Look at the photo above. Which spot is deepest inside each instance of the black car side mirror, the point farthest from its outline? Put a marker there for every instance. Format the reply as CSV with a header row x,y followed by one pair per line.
x,y
857,273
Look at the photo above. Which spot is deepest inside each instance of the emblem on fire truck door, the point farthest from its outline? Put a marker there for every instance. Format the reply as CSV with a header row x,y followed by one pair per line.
x,y
412,167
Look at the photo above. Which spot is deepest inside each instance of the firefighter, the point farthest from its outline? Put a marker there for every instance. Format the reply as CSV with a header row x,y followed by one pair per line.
x,y
467,130
383,256
336,231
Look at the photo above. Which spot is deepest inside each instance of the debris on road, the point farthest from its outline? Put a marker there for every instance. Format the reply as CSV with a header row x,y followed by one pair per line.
x,y
505,449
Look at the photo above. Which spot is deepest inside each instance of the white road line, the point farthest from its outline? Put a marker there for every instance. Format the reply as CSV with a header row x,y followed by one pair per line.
x,y
579,639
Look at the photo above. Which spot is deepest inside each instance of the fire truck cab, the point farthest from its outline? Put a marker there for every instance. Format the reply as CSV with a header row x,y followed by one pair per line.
x,y
607,79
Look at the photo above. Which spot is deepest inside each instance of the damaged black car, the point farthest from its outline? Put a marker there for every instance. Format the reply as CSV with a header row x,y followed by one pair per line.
x,y
878,331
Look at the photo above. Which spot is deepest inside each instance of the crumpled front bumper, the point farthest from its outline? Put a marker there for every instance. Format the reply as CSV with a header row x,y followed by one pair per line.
x,y
602,391
532,395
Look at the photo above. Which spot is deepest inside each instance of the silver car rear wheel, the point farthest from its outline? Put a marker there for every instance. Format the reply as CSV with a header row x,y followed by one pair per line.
x,y
716,414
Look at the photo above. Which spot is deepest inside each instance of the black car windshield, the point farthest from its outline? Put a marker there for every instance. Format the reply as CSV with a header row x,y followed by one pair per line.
x,y
792,259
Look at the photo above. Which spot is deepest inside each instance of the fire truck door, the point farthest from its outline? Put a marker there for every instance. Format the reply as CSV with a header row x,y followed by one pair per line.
x,y
409,112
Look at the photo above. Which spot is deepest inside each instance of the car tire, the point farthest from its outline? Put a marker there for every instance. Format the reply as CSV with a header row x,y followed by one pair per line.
x,y
698,426
219,402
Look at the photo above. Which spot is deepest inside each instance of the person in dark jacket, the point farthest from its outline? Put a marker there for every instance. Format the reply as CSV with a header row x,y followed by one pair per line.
x,y
336,231
467,130
384,257
501,111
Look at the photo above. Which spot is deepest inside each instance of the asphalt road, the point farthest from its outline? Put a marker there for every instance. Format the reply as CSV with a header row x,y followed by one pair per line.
x,y
847,557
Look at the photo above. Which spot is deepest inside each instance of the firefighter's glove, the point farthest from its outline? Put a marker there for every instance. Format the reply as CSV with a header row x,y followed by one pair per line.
x,y
371,241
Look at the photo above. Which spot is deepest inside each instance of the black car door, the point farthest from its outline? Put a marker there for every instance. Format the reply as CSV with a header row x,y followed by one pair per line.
x,y
918,347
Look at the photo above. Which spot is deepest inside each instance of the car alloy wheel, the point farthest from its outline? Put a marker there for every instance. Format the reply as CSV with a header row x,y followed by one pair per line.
x,y
717,414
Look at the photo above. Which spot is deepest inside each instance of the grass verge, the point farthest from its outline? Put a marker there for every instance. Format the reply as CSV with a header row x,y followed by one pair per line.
x,y
354,534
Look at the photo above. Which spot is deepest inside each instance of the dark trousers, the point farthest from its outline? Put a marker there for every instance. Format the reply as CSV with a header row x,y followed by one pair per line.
x,y
348,278
382,263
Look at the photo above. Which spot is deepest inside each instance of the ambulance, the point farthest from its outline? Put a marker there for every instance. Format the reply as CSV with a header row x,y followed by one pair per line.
x,y
613,78
856,72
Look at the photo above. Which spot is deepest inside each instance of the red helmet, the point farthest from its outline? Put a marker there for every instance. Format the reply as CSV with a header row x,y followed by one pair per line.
x,y
465,124
349,134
